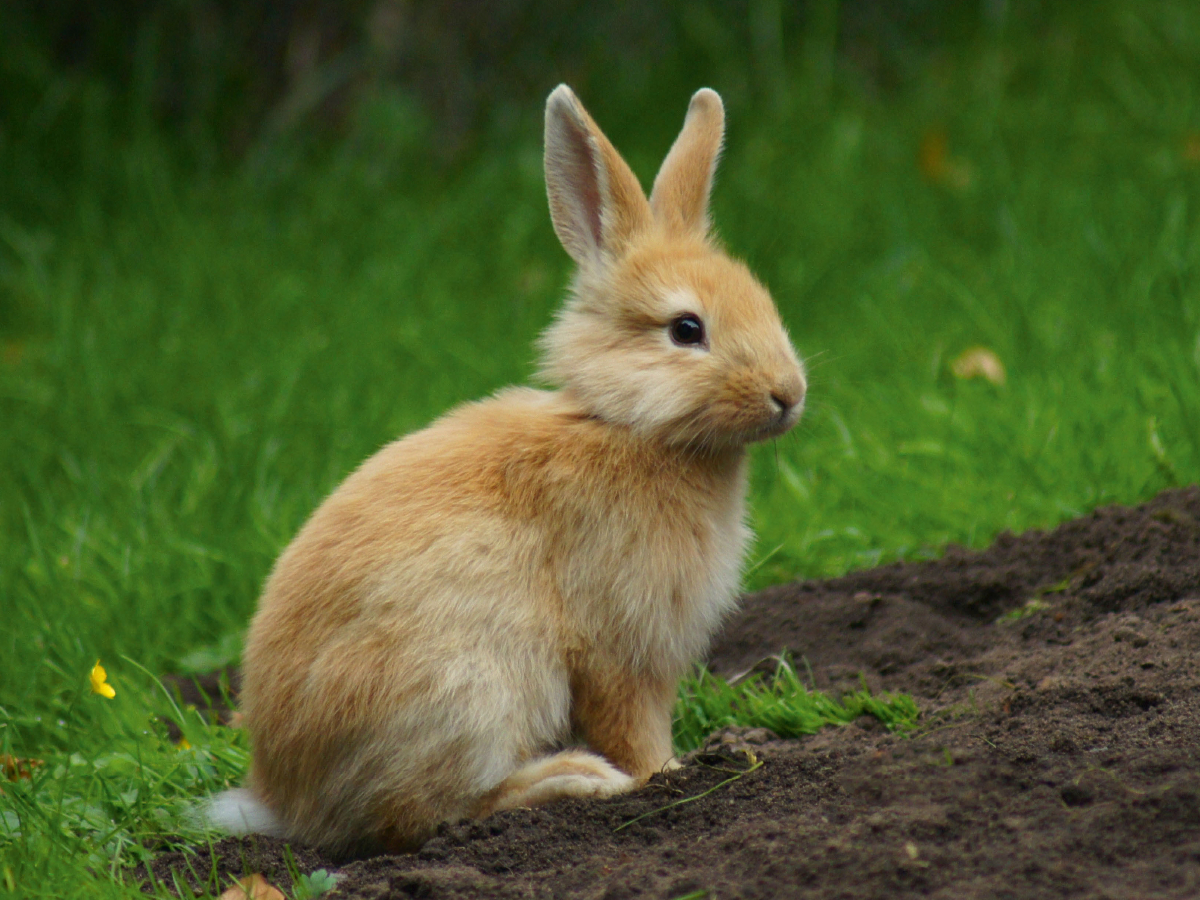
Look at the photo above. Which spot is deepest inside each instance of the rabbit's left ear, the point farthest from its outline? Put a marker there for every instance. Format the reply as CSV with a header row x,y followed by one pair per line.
x,y
679,198
596,203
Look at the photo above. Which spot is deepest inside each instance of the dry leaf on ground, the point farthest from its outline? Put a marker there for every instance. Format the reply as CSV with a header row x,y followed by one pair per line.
x,y
979,362
938,165
253,887
14,767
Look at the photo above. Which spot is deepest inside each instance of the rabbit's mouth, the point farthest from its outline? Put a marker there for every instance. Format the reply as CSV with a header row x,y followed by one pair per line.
x,y
738,425
779,424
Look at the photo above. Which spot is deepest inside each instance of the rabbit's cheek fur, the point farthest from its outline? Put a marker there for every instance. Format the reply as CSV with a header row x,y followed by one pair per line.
x,y
739,412
635,383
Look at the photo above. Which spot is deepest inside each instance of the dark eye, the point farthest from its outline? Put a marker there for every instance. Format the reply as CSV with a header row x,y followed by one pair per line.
x,y
687,330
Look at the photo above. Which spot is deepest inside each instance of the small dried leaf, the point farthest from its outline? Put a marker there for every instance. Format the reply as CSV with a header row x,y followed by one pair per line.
x,y
253,887
979,362
14,767
12,352
1191,148
938,165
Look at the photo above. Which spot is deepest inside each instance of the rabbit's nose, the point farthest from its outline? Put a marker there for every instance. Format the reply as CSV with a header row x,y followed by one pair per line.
x,y
788,394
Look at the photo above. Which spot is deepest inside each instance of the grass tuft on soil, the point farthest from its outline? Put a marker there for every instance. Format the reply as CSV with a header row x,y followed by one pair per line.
x,y
778,701
129,791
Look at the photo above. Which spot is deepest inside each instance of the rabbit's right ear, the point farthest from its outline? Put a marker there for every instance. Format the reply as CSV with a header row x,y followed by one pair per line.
x,y
596,203
679,197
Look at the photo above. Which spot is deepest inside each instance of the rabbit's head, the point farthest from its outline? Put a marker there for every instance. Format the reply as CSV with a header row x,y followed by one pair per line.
x,y
663,333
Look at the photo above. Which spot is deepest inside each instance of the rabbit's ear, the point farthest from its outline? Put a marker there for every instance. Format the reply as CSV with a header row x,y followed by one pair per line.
x,y
596,203
680,195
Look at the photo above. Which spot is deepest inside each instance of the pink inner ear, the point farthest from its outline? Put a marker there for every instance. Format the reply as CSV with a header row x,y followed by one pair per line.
x,y
583,179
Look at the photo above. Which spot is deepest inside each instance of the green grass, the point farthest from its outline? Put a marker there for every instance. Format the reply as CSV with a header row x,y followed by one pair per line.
x,y
781,703
114,795
189,364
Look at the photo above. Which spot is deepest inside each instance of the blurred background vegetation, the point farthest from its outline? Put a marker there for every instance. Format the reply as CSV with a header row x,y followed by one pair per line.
x,y
203,202
242,244
228,72
225,81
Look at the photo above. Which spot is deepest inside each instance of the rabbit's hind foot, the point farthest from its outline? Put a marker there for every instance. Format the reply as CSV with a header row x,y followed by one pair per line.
x,y
571,773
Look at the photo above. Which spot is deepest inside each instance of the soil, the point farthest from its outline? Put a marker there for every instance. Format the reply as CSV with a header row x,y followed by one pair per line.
x,y
1058,755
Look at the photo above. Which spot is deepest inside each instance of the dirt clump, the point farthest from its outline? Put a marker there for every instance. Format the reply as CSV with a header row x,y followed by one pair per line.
x,y
1058,756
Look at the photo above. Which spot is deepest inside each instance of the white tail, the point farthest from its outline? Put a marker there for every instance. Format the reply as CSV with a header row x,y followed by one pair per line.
x,y
240,812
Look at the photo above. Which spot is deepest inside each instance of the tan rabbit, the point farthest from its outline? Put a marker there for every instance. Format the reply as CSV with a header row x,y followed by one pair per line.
x,y
495,611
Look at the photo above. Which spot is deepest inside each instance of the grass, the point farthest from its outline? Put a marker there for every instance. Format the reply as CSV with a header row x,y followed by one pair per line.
x,y
781,703
71,824
189,364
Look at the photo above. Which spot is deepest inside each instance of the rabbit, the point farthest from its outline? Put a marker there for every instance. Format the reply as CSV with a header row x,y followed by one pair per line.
x,y
495,611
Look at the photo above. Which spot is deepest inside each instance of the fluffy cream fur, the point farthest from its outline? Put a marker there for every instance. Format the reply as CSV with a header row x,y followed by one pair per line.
x,y
495,611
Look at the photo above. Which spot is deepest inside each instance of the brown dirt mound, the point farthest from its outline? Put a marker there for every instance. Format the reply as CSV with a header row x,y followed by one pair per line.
x,y
1059,755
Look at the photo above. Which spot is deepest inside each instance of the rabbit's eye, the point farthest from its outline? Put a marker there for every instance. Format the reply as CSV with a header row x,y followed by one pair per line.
x,y
687,330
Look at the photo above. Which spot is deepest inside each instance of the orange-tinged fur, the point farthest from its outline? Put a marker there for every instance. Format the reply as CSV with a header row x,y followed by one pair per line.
x,y
539,568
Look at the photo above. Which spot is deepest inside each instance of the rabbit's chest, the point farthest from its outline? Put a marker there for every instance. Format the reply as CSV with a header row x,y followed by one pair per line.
x,y
654,580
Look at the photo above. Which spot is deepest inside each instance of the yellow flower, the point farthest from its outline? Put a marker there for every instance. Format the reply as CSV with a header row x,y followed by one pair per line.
x,y
100,683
